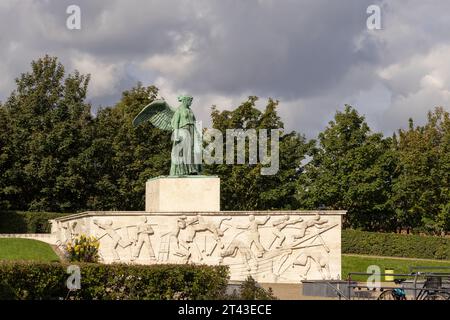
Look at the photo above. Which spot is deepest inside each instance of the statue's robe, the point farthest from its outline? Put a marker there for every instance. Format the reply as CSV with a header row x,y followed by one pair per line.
x,y
185,143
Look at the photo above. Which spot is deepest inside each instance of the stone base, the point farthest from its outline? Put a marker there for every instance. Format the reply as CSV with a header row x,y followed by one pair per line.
x,y
183,194
272,247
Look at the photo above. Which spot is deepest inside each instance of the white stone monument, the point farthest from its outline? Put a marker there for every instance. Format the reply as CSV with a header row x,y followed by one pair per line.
x,y
183,224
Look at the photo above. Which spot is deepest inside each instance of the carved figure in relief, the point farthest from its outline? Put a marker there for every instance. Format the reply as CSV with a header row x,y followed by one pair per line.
x,y
62,234
65,233
279,225
144,231
198,224
321,260
237,245
72,229
253,233
182,248
68,232
218,237
76,228
309,250
317,222
117,240
318,256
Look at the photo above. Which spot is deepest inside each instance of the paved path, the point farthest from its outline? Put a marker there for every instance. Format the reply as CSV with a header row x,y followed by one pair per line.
x,y
291,292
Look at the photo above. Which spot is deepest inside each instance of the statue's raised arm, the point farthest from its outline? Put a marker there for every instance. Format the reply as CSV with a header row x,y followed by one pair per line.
x,y
158,112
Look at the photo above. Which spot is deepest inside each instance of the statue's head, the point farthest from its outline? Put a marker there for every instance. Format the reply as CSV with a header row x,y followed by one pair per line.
x,y
181,223
186,100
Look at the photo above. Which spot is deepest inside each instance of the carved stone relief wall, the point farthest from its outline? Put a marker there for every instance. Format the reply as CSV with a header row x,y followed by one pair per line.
x,y
275,247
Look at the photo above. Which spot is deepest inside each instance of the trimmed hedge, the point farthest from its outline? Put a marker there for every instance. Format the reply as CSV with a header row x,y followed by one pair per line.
x,y
395,245
47,281
26,222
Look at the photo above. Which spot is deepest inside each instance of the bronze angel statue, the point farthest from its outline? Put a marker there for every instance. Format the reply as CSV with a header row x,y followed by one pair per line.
x,y
186,137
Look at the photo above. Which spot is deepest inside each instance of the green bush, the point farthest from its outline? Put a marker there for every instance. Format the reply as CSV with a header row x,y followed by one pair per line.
x,y
395,245
26,222
6,292
251,290
36,281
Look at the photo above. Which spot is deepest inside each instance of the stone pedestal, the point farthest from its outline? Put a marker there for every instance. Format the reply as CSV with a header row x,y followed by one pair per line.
x,y
183,194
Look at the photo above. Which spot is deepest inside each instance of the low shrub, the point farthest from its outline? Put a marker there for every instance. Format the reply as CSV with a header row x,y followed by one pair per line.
x,y
250,290
395,245
44,281
6,292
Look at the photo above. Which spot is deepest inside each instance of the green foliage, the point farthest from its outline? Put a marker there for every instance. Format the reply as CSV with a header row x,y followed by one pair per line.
x,y
54,156
350,170
242,186
386,184
395,245
48,127
26,222
421,196
250,290
83,249
122,158
6,292
35,281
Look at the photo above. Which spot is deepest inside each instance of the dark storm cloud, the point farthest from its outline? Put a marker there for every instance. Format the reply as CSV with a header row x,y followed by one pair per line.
x,y
126,29
312,55
290,49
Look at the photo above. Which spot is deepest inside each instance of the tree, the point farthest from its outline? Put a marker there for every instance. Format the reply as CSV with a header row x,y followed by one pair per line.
x,y
122,158
350,169
421,195
55,156
5,161
48,125
242,185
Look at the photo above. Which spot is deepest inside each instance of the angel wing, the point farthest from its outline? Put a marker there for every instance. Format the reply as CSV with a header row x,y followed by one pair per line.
x,y
158,112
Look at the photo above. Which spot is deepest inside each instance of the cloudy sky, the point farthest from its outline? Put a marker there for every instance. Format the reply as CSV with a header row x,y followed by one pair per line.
x,y
312,55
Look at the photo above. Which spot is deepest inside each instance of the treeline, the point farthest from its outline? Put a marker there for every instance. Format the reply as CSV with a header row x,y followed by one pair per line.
x,y
56,156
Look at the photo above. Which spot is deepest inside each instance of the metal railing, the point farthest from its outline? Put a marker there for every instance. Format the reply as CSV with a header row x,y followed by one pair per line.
x,y
422,282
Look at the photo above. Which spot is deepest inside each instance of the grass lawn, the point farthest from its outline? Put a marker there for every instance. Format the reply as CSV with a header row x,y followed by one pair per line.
x,y
26,249
352,263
